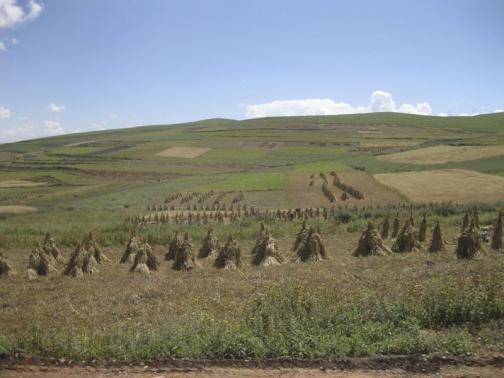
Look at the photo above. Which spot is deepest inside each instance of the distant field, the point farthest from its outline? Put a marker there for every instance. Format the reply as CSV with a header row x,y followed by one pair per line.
x,y
455,185
16,209
183,152
95,180
20,184
443,154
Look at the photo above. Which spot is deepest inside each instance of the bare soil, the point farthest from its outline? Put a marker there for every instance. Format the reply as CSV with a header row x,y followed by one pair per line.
x,y
378,366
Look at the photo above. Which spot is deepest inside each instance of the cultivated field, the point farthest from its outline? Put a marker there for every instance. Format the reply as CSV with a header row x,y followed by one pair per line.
x,y
16,209
19,184
183,152
455,185
444,154
335,172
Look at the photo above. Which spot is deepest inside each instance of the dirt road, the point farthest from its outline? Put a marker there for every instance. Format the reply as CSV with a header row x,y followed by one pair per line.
x,y
78,372
491,365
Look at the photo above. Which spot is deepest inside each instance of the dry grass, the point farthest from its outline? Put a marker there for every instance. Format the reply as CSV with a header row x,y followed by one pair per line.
x,y
456,185
113,295
17,209
300,194
20,184
443,154
183,152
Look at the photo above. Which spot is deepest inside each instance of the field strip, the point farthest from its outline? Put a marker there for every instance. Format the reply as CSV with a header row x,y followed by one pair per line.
x,y
456,185
183,152
443,154
17,209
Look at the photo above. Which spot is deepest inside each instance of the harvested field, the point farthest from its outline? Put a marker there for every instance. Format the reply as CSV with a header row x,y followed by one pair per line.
x,y
300,194
17,209
57,303
272,199
456,185
20,184
375,193
443,154
183,152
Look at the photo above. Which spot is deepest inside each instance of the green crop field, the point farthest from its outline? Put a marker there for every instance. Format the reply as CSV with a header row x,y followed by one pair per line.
x,y
115,182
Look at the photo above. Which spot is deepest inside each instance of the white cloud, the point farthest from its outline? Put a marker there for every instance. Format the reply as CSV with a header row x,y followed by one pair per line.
x,y
13,14
442,114
469,114
14,41
2,46
29,129
4,112
498,110
56,108
52,127
301,107
380,101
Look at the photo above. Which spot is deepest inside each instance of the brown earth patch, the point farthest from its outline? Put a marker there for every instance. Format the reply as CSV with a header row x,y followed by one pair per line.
x,y
364,367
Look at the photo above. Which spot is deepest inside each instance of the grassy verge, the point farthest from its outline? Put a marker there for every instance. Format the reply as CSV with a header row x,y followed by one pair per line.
x,y
444,315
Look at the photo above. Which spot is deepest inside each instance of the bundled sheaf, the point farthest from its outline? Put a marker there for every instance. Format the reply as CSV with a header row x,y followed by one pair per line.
x,y
371,244
396,226
49,247
422,230
311,247
81,262
131,250
469,244
145,260
229,256
407,239
497,233
173,247
437,243
5,266
465,221
300,236
385,228
91,247
185,258
39,263
210,246
266,251
85,258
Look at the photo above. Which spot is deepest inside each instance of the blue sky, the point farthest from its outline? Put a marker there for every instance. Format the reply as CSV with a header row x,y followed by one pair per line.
x,y
78,65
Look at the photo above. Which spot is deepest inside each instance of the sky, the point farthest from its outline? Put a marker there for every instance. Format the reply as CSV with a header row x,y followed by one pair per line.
x,y
81,65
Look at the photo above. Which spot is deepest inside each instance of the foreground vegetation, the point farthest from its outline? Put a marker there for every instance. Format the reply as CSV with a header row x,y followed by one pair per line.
x,y
346,306
447,315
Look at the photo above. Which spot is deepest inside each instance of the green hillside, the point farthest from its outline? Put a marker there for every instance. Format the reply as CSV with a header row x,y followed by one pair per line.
x,y
98,178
